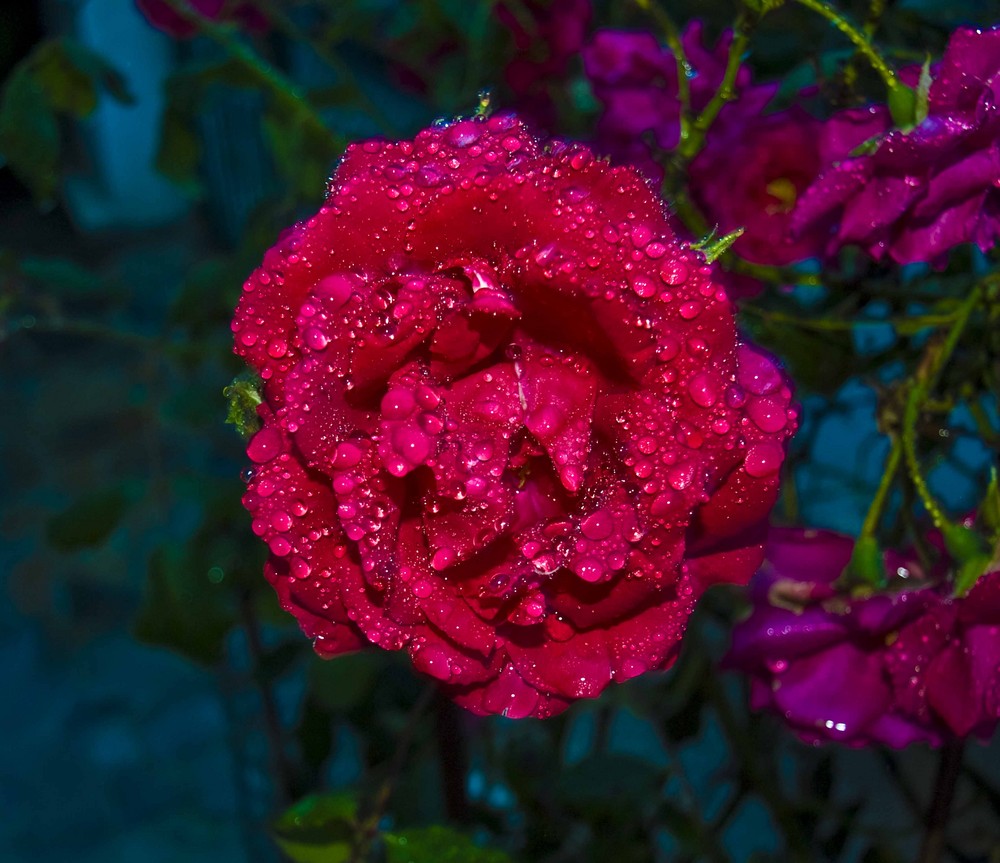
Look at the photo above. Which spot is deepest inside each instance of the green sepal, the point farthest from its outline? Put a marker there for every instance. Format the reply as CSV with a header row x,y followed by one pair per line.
x,y
244,397
903,102
866,564
989,509
971,553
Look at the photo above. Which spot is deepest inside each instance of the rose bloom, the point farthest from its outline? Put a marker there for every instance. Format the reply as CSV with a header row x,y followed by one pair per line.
x,y
919,193
508,423
636,79
163,17
752,178
907,664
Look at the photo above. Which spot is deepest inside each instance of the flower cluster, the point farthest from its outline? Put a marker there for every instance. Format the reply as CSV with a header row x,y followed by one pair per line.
x,y
910,663
914,194
636,80
801,187
508,423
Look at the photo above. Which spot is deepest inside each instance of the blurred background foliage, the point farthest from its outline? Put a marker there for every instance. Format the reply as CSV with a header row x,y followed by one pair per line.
x,y
161,706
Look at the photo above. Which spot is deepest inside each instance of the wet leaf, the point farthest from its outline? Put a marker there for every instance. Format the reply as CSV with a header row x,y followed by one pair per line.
x,y
184,608
437,844
29,134
318,828
88,521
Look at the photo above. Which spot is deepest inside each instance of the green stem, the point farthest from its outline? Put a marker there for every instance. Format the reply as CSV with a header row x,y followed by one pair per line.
x,y
368,823
333,60
672,36
936,820
690,147
154,347
281,87
925,380
761,781
861,40
870,526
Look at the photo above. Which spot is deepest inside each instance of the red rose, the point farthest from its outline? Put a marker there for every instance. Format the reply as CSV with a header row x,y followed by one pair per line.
x,y
508,422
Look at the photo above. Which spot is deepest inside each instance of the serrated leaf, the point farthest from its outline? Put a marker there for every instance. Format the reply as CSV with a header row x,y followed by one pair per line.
x,y
184,609
318,829
88,521
437,844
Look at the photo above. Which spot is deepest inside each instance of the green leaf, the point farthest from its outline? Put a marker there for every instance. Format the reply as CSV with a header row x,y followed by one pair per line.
x,y
29,134
184,608
301,151
318,829
72,76
63,277
88,521
344,682
244,396
179,152
609,784
437,844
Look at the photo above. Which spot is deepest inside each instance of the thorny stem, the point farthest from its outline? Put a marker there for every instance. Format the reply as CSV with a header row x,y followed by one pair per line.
x,y
333,60
926,378
272,721
748,751
672,36
369,821
936,820
452,758
870,526
860,38
690,147
282,88
150,345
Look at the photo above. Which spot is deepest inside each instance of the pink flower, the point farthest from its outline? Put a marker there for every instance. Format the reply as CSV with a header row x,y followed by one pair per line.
x,y
508,424
909,664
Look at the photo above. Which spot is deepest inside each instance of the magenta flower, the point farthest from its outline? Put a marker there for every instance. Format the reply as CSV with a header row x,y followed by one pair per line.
x,y
921,192
910,664
636,79
752,179
546,38
163,17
